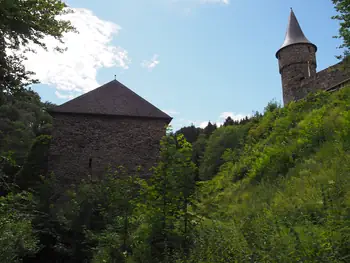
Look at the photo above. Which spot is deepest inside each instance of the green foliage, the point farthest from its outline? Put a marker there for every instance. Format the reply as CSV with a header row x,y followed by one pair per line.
x,y
191,133
198,149
168,223
17,238
7,166
223,139
209,129
23,23
275,187
36,164
343,16
277,190
22,117
285,198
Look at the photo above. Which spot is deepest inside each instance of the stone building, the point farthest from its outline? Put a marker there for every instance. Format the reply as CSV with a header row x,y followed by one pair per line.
x,y
297,66
104,128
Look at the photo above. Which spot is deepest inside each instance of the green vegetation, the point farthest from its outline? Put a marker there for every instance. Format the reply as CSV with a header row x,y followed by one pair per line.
x,y
274,187
343,16
23,23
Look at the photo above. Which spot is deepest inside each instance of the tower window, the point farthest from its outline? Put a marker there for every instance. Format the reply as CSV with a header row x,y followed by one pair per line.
x,y
90,162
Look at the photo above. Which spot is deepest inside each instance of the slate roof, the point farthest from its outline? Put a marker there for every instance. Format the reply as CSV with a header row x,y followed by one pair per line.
x,y
112,98
294,33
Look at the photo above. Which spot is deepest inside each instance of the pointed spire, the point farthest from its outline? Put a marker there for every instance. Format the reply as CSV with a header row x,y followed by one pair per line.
x,y
294,34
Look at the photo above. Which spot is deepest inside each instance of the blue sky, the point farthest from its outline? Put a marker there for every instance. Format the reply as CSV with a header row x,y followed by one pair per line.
x,y
196,59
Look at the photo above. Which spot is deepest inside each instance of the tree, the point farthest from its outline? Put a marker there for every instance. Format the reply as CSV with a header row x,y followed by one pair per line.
x,y
168,222
198,150
230,137
22,118
23,23
210,129
229,121
271,106
36,164
343,16
191,133
17,238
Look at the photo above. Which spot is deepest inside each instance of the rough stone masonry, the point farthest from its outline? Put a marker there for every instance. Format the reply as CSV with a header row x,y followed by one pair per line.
x,y
297,66
104,128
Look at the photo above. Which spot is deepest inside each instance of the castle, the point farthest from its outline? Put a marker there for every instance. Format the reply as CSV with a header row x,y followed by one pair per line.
x,y
297,66
112,126
104,128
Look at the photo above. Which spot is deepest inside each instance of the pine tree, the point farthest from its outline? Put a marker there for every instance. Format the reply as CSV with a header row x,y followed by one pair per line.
x,y
229,121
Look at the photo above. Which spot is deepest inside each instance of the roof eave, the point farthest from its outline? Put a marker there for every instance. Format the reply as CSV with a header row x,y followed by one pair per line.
x,y
166,118
292,44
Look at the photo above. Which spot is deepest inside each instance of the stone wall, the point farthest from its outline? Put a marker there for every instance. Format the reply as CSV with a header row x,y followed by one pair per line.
x,y
88,144
330,78
296,62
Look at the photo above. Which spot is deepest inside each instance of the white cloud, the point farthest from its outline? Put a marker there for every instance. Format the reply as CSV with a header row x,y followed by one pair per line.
x,y
75,70
234,116
203,124
178,123
171,112
152,63
63,96
226,2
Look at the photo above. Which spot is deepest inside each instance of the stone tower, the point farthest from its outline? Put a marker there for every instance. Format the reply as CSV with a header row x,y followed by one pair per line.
x,y
297,60
104,128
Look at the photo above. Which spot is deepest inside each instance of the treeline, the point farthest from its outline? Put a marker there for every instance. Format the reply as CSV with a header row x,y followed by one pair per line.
x,y
203,149
146,221
272,189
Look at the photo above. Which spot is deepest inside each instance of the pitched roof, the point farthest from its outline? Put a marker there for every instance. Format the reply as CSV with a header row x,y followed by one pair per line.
x,y
294,33
112,98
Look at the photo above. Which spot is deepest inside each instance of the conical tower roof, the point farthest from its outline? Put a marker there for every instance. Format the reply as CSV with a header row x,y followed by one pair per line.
x,y
294,34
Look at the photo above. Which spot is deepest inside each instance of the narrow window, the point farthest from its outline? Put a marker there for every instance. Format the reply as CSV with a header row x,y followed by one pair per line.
x,y
90,162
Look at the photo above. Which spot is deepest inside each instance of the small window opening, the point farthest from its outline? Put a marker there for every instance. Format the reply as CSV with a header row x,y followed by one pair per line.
x,y
90,162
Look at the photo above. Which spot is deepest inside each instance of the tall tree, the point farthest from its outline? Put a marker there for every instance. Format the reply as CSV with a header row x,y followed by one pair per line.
x,y
210,128
198,149
343,16
168,196
229,121
191,133
23,23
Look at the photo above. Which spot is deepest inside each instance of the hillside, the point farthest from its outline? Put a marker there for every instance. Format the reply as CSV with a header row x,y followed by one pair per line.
x,y
271,188
283,194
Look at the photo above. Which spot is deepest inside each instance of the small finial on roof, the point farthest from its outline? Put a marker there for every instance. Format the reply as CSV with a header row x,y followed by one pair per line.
x,y
291,8
294,34
115,77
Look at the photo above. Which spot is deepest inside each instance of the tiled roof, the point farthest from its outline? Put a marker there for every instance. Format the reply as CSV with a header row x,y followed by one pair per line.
x,y
112,98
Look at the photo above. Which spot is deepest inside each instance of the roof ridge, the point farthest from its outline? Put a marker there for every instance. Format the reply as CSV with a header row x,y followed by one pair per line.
x,y
112,98
136,94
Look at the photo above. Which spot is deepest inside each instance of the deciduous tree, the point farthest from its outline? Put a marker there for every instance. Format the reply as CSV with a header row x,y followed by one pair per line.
x,y
24,23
